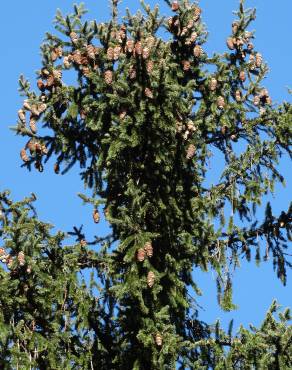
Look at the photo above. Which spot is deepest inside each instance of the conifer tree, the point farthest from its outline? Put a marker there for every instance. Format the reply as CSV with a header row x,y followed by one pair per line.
x,y
143,120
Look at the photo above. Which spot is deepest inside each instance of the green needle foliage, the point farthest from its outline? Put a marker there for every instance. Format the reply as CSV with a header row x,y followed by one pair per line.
x,y
145,117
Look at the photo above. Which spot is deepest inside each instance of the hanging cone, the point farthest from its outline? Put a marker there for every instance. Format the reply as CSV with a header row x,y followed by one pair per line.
x,y
138,48
191,151
193,37
235,27
85,71
108,77
238,96
56,168
141,255
191,125
158,339
66,62
110,53
32,123
174,6
150,279
21,116
220,102
77,57
26,105
90,49
2,252
145,53
197,51
50,81
213,84
117,52
23,155
9,262
148,249
197,13
21,258
57,73
54,55
186,65
149,66
83,242
41,85
256,100
96,216
130,46
30,145
258,60
122,114
230,43
148,93
242,76
150,41
74,37
59,51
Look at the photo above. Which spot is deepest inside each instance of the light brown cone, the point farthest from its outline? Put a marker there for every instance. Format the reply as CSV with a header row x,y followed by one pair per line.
x,y
108,77
21,115
74,37
258,60
138,48
149,66
90,51
242,76
174,5
150,279
191,151
21,258
23,155
148,249
148,93
32,124
230,43
197,51
141,255
220,102
130,46
158,339
213,84
197,13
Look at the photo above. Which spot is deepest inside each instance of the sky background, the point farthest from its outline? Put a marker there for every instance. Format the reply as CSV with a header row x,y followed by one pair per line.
x,y
22,28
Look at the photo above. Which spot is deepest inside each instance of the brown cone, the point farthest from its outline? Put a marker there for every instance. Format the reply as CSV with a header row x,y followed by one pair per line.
x,y
191,151
148,249
141,255
23,155
96,216
158,339
150,279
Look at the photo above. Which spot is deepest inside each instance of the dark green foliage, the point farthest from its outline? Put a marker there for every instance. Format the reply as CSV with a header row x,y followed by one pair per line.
x,y
143,121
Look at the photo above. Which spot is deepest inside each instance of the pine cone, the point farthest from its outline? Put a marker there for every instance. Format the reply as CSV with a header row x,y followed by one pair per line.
x,y
150,41
213,84
90,49
238,96
230,43
256,100
148,93
174,6
50,81
145,53
138,48
26,105
250,46
191,125
59,51
150,279
193,37
235,26
2,252
85,71
149,66
191,151
77,57
117,52
41,85
197,13
23,155
141,255
74,37
242,76
132,73
32,123
96,216
108,77
197,51
186,65
66,62
148,249
54,55
56,168
258,60
83,243
158,339
21,259
122,114
220,102
9,262
21,116
130,46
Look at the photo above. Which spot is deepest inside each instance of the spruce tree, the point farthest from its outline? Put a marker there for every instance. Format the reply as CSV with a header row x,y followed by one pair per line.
x,y
143,119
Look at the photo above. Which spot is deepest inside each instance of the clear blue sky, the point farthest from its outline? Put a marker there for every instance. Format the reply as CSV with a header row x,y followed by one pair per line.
x,y
22,29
